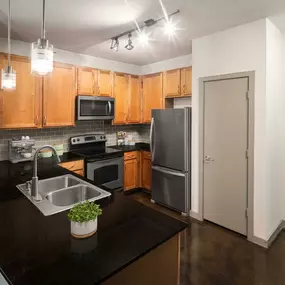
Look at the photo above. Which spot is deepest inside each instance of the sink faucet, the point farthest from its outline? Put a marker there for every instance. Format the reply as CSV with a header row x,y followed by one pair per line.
x,y
35,180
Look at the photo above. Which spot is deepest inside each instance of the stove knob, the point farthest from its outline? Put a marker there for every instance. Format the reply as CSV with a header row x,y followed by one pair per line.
x,y
104,137
101,137
78,140
73,140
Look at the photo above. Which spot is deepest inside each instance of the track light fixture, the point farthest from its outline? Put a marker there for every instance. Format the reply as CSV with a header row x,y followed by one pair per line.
x,y
115,44
129,45
169,29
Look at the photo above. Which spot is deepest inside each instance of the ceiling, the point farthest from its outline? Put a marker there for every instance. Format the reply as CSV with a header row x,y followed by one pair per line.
x,y
86,26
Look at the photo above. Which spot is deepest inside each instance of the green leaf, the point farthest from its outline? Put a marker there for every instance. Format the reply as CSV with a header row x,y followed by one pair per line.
x,y
84,212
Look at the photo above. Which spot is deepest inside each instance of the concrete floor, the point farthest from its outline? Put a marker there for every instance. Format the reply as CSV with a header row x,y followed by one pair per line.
x,y
212,255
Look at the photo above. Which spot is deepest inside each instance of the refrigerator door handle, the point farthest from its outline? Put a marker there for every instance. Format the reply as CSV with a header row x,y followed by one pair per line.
x,y
151,139
174,173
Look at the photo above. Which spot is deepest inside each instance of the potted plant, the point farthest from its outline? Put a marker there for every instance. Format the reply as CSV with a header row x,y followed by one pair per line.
x,y
83,218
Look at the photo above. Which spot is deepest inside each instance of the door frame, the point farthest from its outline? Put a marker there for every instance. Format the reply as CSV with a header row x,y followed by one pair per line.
x,y
250,163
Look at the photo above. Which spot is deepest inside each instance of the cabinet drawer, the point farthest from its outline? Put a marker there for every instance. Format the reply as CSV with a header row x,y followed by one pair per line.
x,y
130,155
147,155
73,165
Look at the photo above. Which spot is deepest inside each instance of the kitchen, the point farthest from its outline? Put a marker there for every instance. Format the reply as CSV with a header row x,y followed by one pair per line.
x,y
113,109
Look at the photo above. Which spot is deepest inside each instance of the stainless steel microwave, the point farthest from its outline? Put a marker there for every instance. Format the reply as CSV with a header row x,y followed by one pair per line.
x,y
94,108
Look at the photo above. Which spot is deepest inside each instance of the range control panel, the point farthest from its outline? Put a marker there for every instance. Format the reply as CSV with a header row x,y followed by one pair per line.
x,y
92,138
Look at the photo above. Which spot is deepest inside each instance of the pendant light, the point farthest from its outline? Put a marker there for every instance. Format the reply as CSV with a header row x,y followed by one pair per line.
x,y
8,75
42,52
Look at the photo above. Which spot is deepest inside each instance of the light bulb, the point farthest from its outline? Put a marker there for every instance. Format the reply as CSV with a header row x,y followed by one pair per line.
x,y
143,38
169,28
42,57
8,78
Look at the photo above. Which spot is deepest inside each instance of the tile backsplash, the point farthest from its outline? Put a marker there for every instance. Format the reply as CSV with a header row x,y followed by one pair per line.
x,y
61,135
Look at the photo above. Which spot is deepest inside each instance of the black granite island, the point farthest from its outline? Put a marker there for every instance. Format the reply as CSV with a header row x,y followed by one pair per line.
x,y
133,245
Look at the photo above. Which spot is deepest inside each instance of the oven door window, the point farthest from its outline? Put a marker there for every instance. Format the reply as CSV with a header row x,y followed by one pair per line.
x,y
90,108
106,174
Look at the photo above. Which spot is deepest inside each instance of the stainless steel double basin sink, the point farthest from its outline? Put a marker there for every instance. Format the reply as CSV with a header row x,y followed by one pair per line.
x,y
62,192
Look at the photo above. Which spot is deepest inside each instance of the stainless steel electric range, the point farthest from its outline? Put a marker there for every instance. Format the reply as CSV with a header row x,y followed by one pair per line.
x,y
103,165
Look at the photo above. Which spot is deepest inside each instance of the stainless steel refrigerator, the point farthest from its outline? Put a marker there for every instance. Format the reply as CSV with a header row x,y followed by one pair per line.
x,y
170,142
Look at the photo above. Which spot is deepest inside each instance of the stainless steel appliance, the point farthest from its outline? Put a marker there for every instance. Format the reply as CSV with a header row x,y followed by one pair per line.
x,y
94,108
103,165
21,149
171,149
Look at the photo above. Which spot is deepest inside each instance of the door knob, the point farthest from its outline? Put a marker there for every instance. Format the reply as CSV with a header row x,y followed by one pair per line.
x,y
208,159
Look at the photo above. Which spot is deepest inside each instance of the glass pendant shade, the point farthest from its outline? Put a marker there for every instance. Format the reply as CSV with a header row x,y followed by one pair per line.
x,y
8,78
42,57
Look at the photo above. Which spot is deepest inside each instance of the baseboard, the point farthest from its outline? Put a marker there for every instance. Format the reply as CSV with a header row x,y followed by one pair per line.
x,y
196,216
267,243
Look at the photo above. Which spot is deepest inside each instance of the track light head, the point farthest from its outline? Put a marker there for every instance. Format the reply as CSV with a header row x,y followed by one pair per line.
x,y
129,45
169,28
143,37
115,44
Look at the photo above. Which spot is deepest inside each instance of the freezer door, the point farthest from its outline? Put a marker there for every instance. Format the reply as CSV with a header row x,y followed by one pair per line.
x,y
170,143
170,188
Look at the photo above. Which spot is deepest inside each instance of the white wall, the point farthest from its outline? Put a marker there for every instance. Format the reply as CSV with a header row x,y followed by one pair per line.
x,y
239,49
24,49
173,63
275,121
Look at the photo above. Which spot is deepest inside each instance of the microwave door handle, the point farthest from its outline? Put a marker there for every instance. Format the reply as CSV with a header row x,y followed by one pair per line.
x,y
109,108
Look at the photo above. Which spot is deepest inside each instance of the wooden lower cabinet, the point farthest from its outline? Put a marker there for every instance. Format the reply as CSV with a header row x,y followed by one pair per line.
x,y
131,172
137,170
146,170
74,166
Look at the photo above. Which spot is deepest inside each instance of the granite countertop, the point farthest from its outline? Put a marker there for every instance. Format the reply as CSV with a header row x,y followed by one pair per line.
x,y
136,147
40,250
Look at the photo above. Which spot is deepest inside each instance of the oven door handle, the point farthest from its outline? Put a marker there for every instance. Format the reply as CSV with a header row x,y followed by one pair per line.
x,y
104,160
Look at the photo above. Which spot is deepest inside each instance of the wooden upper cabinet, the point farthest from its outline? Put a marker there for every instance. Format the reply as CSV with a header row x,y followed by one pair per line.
x,y
121,82
186,81
105,83
172,83
152,95
86,81
59,96
20,108
135,110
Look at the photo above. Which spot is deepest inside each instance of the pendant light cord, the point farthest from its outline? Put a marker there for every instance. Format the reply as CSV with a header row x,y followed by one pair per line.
x,y
9,33
44,20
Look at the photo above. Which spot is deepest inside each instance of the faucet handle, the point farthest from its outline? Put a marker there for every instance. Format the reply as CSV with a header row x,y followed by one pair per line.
x,y
28,185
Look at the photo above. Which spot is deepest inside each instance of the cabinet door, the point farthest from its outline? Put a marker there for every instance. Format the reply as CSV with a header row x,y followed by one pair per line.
x,y
172,83
105,83
59,96
152,95
121,95
134,115
86,81
20,108
186,81
130,174
146,170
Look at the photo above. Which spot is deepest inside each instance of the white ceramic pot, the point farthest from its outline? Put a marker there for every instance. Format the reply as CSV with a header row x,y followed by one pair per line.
x,y
84,230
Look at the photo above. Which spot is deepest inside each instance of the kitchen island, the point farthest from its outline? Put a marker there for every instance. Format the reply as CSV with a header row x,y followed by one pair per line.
x,y
134,244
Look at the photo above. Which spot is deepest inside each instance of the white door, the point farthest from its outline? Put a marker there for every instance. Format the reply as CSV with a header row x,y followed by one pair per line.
x,y
225,153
